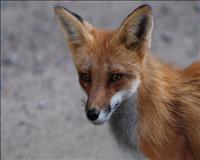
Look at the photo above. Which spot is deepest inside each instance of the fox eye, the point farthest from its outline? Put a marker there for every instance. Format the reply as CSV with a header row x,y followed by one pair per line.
x,y
116,77
85,77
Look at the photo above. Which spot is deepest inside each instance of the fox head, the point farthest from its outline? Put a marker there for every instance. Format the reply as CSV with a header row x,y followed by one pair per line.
x,y
108,62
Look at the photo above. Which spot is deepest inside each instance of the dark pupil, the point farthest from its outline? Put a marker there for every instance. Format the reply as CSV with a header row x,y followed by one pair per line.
x,y
115,77
85,77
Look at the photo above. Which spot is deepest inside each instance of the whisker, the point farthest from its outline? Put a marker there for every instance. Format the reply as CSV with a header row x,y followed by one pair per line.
x,y
83,100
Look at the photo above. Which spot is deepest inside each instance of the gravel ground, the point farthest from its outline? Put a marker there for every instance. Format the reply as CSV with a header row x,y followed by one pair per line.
x,y
41,113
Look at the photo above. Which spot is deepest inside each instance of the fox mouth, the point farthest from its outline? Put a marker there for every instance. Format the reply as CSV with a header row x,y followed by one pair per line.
x,y
105,114
97,116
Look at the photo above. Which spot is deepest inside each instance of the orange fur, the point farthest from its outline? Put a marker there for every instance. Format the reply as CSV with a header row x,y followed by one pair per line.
x,y
168,97
169,124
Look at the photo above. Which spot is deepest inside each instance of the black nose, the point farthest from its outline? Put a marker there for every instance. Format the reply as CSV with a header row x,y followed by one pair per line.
x,y
92,114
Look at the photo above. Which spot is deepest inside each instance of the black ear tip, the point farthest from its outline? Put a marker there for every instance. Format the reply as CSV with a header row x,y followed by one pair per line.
x,y
147,6
58,7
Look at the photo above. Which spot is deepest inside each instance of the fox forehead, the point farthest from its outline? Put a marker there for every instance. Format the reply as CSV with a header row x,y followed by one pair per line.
x,y
103,52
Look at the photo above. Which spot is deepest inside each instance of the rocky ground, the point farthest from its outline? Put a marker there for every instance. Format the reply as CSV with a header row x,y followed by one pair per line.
x,y
41,112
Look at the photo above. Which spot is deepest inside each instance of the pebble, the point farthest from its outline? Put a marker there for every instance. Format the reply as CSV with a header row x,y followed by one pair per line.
x,y
43,104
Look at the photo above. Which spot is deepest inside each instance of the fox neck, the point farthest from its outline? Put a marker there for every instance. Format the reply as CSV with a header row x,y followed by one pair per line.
x,y
158,121
147,121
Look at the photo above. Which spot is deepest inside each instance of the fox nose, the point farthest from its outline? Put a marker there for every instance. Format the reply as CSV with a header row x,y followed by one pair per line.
x,y
93,114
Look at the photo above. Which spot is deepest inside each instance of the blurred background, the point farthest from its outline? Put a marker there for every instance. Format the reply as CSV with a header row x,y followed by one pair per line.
x,y
41,113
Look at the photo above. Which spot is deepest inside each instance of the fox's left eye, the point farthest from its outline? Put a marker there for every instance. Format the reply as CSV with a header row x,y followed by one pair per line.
x,y
116,77
85,77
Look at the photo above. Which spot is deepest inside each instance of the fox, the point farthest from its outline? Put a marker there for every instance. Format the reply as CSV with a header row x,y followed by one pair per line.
x,y
152,107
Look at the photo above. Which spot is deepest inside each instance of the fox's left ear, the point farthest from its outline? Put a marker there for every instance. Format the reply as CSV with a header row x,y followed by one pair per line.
x,y
136,29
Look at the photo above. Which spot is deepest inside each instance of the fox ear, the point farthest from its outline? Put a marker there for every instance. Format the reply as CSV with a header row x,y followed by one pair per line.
x,y
137,28
77,29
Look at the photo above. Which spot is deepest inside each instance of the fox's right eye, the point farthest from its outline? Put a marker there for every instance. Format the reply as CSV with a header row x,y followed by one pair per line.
x,y
85,77
116,77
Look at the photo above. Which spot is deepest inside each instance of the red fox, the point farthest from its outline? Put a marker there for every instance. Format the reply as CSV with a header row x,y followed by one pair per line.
x,y
153,108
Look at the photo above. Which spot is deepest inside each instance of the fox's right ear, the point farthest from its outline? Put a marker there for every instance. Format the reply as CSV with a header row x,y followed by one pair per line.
x,y
77,29
137,28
